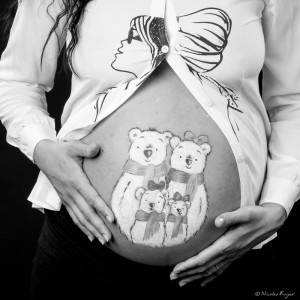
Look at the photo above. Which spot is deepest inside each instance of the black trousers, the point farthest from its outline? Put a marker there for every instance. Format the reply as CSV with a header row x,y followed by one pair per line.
x,y
68,266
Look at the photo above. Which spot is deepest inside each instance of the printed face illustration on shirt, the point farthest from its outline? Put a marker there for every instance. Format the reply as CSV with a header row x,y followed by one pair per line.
x,y
142,49
202,37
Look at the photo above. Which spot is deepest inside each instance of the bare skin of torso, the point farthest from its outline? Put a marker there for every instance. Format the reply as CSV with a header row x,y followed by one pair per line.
x,y
167,171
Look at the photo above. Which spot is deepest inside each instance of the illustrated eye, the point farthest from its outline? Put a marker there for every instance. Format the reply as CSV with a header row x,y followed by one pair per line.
x,y
137,37
138,147
156,149
180,156
196,159
133,35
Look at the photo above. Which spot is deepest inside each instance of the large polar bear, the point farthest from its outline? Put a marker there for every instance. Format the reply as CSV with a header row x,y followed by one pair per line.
x,y
147,154
188,160
149,226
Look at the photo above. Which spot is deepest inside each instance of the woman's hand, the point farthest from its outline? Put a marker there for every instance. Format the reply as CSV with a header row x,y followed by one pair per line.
x,y
62,164
247,227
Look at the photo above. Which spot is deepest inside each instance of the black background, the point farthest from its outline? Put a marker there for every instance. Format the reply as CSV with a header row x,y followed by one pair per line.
x,y
20,224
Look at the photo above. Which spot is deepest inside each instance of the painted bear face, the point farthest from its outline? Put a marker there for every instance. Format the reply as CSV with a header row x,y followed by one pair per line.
x,y
148,147
188,156
179,207
151,200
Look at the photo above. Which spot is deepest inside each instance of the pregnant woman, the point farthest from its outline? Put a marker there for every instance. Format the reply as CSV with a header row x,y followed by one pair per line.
x,y
168,164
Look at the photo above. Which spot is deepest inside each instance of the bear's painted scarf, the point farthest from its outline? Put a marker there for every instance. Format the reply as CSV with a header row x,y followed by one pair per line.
x,y
150,172
192,181
152,219
178,224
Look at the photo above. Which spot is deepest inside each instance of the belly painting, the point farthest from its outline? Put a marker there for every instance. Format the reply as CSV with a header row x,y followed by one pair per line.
x,y
166,170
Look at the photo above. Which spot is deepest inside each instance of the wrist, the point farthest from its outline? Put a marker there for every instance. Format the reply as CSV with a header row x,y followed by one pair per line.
x,y
41,148
276,213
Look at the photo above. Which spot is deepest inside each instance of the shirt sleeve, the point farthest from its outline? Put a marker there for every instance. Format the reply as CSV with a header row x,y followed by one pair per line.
x,y
24,80
281,95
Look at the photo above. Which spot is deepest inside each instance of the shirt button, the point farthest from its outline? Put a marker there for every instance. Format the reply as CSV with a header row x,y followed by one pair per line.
x,y
241,159
165,49
209,103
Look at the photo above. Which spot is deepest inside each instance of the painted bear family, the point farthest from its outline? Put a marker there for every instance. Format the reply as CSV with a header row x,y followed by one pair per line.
x,y
159,206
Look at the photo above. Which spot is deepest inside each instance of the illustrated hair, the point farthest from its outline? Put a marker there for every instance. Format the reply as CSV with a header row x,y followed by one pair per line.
x,y
73,10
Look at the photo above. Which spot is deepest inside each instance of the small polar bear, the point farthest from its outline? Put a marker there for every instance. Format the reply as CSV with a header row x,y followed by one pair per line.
x,y
188,160
176,222
147,154
148,228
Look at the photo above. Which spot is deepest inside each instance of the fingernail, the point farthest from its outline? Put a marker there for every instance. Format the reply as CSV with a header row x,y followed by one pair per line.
x,y
109,219
220,222
101,240
173,276
105,237
90,238
182,283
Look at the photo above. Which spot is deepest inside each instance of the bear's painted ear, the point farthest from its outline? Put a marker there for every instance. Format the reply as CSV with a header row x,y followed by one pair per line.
x,y
134,134
139,193
188,204
165,193
167,136
170,202
174,141
205,148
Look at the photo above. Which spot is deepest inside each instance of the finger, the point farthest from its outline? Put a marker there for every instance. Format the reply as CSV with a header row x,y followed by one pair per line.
x,y
79,148
214,276
83,223
241,215
190,272
204,270
89,218
93,199
77,218
192,278
218,248
78,224
208,280
212,272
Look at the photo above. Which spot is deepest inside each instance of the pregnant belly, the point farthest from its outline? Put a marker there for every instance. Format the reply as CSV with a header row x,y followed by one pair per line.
x,y
166,170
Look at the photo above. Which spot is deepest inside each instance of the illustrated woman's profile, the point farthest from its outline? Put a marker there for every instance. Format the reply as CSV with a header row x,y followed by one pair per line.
x,y
143,48
202,37
140,53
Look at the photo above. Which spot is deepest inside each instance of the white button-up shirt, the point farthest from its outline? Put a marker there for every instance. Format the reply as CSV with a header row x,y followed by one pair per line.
x,y
216,47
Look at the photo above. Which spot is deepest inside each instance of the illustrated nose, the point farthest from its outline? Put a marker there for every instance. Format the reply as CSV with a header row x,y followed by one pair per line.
x,y
148,153
188,161
151,205
179,210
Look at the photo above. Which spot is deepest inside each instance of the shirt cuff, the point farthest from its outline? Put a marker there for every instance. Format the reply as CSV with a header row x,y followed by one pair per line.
x,y
269,239
43,195
280,191
30,135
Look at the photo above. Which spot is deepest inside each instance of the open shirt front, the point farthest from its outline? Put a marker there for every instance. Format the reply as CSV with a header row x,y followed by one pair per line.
x,y
216,47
